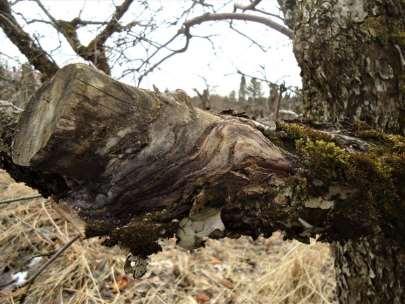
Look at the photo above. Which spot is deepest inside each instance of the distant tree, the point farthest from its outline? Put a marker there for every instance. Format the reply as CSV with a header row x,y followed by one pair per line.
x,y
18,84
232,96
254,89
204,98
7,82
28,82
242,89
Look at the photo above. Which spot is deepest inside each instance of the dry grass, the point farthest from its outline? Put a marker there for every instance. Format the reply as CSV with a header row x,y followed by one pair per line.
x,y
226,271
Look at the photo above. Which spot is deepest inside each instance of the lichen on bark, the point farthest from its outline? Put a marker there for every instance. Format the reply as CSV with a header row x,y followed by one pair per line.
x,y
351,57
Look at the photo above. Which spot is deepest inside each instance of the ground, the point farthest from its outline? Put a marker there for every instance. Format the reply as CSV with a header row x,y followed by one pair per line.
x,y
226,271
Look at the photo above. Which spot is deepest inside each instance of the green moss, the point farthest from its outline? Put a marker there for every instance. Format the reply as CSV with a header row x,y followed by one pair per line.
x,y
296,131
377,176
375,26
325,160
384,142
379,179
399,37
293,132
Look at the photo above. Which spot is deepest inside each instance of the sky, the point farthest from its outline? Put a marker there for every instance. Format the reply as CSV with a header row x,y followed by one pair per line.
x,y
217,61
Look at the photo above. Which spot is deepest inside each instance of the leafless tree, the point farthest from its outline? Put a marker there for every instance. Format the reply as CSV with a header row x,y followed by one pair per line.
x,y
114,40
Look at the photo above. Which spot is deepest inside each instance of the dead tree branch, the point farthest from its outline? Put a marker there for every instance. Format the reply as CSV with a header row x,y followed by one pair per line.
x,y
27,46
95,50
239,16
161,166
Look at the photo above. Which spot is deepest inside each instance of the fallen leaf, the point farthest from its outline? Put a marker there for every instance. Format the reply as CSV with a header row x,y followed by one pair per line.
x,y
227,283
122,283
215,261
202,297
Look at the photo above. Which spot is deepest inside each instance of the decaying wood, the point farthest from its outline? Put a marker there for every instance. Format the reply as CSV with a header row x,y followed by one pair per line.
x,y
139,165
137,161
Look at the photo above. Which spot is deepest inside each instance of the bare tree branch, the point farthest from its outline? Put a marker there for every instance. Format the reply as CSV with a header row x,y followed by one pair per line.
x,y
253,7
185,30
112,25
103,56
27,46
239,16
181,50
95,50
261,47
269,14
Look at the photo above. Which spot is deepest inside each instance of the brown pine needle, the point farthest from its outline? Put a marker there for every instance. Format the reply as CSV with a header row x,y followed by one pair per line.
x,y
25,198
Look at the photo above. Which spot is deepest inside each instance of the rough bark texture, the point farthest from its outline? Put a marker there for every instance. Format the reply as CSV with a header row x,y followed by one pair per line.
x,y
352,58
351,54
370,270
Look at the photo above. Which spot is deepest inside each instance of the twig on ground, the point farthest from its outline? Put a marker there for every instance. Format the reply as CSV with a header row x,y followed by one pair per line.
x,y
31,280
25,198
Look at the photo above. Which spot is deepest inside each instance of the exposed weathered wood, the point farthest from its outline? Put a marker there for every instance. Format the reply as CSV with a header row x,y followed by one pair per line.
x,y
139,165
133,157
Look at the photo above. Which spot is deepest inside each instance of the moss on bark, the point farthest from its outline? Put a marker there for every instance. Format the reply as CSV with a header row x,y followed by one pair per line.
x,y
377,175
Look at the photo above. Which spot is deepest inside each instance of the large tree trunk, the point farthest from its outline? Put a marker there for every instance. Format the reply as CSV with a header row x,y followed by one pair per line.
x,y
370,270
352,58
139,165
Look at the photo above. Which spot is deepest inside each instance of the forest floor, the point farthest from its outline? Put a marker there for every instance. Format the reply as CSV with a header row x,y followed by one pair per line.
x,y
226,271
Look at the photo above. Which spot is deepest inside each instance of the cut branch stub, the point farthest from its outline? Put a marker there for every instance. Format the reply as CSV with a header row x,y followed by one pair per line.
x,y
134,161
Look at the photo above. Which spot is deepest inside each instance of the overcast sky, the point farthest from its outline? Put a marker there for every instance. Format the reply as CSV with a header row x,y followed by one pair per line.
x,y
218,63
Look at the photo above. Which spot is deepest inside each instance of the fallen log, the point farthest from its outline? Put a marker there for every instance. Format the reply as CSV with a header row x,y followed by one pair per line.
x,y
137,165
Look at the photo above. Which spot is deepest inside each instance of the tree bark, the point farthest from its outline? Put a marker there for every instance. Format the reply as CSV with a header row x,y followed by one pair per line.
x,y
352,57
139,165
351,54
370,270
